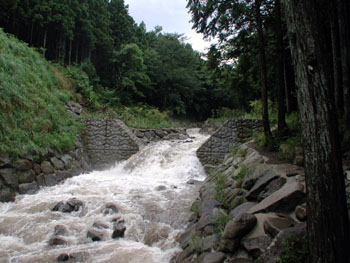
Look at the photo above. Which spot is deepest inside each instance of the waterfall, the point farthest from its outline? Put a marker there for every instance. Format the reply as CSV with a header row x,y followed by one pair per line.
x,y
149,193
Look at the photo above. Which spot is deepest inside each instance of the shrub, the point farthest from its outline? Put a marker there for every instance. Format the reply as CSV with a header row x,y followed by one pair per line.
x,y
295,249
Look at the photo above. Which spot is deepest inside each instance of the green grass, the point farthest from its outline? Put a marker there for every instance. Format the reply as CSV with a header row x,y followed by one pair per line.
x,y
295,249
33,118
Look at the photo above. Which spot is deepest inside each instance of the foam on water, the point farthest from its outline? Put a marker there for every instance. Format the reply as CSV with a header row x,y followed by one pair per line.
x,y
149,190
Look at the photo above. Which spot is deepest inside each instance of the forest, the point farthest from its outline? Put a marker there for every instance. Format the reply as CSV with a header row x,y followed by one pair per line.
x,y
284,56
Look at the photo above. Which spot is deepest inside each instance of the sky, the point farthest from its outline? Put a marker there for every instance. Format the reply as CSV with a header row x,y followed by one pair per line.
x,y
171,15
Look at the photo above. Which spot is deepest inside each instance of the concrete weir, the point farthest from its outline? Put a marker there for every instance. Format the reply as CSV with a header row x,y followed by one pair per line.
x,y
108,141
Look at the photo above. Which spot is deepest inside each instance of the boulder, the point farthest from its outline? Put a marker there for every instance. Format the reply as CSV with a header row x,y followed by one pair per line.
x,y
256,246
274,250
67,160
110,209
29,188
96,235
210,243
46,167
50,179
283,200
36,168
57,241
7,195
206,206
275,224
118,229
250,179
9,176
4,159
72,205
272,187
260,185
40,180
64,257
23,165
61,230
214,257
239,227
26,176
243,208
160,188
58,164
300,212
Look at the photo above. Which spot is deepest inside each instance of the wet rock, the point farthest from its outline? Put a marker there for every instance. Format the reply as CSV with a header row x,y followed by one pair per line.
x,y
60,176
58,164
272,187
275,224
100,225
29,188
79,256
67,160
214,257
50,179
260,185
23,165
300,212
95,235
72,205
194,182
63,257
187,236
160,188
256,246
187,252
46,167
110,209
243,208
239,227
61,230
9,176
118,229
283,200
57,241
4,159
7,195
26,176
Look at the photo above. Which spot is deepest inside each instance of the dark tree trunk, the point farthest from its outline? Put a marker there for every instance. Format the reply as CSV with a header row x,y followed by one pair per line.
x,y
337,69
70,52
263,72
45,38
280,68
327,221
344,25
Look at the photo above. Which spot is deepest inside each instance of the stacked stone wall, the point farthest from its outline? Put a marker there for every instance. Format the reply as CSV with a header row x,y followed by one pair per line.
x,y
230,134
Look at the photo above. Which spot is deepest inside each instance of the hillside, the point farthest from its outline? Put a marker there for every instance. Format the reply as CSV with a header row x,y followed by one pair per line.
x,y
33,93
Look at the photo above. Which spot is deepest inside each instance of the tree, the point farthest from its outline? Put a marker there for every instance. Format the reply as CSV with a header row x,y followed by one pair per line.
x,y
328,223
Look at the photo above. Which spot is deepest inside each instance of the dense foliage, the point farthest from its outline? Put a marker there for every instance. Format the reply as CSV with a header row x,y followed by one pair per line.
x,y
32,113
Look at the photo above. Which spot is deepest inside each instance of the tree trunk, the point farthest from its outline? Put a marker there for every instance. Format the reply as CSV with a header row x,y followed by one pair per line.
x,y
337,71
280,68
45,38
263,73
344,24
70,52
327,221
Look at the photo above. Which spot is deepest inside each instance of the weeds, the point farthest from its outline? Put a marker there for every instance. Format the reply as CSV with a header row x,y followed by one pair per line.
x,y
220,223
295,249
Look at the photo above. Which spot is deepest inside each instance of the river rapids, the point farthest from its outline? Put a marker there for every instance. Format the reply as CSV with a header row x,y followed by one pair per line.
x,y
150,190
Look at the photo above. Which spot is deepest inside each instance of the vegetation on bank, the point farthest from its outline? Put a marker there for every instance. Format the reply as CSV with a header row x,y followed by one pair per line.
x,y
33,118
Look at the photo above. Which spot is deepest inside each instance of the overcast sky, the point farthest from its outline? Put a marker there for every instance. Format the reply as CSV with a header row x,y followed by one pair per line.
x,y
170,14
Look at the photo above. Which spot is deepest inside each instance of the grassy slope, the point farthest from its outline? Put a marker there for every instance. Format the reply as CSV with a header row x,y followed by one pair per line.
x,y
32,113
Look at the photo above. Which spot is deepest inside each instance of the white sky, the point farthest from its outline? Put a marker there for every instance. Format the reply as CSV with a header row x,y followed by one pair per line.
x,y
171,15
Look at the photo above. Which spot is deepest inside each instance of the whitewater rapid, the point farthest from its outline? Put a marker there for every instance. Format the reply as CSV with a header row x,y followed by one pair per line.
x,y
150,190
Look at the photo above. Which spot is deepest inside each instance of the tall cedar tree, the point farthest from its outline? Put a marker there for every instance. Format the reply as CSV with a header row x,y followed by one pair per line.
x,y
328,223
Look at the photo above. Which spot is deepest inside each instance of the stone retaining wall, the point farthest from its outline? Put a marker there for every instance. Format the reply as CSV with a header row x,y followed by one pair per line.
x,y
108,141
231,134
153,135
30,173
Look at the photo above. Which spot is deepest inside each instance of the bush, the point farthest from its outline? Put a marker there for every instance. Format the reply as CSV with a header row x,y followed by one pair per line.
x,y
295,250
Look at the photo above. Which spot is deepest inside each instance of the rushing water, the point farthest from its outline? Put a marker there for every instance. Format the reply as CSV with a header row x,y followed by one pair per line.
x,y
151,193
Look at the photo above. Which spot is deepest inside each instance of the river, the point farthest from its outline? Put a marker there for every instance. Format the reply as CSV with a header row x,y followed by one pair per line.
x,y
150,191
